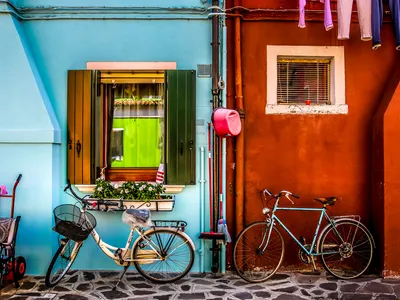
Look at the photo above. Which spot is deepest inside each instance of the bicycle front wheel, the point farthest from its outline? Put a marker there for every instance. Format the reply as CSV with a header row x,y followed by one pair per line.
x,y
349,248
62,261
255,258
163,255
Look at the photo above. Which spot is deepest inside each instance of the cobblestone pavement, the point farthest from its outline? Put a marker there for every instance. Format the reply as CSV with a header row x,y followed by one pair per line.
x,y
97,285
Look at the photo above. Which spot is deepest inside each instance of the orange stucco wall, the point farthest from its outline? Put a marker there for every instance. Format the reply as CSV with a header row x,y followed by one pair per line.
x,y
310,155
386,179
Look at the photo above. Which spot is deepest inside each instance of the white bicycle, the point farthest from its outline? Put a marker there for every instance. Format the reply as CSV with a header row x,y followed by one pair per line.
x,y
163,253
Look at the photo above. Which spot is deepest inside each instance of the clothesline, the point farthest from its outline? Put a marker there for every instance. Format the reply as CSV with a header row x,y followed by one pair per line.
x,y
370,16
254,10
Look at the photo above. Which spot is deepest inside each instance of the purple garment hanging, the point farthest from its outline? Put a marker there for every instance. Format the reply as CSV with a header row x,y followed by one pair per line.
x,y
302,19
327,14
377,19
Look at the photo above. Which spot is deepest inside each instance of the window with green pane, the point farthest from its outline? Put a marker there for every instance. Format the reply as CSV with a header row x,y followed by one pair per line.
x,y
123,124
137,138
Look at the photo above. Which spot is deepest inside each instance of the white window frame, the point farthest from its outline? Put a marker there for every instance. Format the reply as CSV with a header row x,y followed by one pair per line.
x,y
338,92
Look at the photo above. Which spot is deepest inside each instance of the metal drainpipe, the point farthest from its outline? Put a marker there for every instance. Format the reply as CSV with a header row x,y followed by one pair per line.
x,y
223,52
239,178
202,200
216,140
223,58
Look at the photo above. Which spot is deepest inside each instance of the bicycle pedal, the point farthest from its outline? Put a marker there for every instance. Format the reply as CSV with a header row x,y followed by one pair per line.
x,y
316,272
310,273
215,249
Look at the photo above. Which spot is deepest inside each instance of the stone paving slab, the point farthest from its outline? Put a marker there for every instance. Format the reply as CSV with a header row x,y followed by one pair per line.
x,y
87,285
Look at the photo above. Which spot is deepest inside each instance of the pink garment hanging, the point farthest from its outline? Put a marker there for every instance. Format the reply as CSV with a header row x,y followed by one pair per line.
x,y
344,9
302,19
327,14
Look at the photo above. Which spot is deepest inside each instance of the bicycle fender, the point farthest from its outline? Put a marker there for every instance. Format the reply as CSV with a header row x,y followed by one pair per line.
x,y
171,230
347,220
189,239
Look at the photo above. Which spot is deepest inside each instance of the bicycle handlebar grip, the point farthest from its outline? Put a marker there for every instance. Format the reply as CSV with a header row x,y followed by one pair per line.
x,y
298,197
267,192
19,177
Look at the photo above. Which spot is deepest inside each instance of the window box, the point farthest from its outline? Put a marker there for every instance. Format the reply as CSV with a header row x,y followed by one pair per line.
x,y
89,188
152,205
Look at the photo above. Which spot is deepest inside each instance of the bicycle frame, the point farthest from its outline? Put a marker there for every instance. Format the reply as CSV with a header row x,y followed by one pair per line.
x,y
309,252
107,249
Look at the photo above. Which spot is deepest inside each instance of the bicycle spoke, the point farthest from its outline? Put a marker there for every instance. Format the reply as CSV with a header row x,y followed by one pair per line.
x,y
366,257
358,245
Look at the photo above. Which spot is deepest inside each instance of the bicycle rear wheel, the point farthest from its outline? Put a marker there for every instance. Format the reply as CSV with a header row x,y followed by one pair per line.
x,y
163,255
62,261
350,254
254,260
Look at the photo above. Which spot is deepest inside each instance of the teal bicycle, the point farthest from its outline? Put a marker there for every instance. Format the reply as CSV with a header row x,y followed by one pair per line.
x,y
345,245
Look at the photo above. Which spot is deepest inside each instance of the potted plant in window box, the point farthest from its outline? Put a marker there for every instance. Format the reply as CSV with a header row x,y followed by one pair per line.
x,y
131,194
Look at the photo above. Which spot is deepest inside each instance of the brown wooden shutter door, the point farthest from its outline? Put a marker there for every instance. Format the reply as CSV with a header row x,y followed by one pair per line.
x,y
82,90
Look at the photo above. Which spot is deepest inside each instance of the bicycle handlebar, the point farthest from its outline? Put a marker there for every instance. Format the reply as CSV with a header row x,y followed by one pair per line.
x,y
281,193
69,187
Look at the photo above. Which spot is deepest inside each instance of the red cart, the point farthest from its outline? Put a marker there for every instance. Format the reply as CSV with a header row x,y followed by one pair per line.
x,y
11,268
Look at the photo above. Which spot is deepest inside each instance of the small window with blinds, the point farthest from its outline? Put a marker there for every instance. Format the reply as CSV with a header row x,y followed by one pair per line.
x,y
303,81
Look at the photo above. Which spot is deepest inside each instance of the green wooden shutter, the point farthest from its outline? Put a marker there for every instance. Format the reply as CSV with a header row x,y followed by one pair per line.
x,y
81,150
180,127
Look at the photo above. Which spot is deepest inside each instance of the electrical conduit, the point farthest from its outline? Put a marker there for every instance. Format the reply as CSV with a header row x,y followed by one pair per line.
x,y
103,12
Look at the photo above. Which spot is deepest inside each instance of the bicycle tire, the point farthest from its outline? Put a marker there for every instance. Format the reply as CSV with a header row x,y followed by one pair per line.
x,y
249,268
344,254
143,255
63,247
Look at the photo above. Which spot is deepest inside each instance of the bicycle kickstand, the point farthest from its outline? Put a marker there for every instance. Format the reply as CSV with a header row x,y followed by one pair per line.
x,y
119,280
314,271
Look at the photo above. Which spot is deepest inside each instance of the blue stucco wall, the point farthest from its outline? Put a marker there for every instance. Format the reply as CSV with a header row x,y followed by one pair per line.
x,y
34,91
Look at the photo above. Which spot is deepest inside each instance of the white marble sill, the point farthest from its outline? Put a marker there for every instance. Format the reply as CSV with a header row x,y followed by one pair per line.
x,y
275,109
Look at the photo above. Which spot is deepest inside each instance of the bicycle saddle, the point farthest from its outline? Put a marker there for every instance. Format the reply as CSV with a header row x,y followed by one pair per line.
x,y
141,214
326,201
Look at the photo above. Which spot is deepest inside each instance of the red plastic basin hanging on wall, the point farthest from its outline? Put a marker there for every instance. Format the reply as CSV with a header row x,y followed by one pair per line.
x,y
226,122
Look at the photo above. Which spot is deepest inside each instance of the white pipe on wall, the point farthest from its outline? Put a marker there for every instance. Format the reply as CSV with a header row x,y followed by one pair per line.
x,y
202,200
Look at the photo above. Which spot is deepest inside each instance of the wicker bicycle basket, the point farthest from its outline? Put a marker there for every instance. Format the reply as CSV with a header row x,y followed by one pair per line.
x,y
72,223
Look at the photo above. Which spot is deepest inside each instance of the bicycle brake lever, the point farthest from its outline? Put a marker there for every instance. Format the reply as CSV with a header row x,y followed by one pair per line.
x,y
287,196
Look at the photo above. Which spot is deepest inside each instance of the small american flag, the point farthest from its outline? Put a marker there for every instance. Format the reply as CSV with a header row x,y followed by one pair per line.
x,y
160,174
